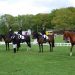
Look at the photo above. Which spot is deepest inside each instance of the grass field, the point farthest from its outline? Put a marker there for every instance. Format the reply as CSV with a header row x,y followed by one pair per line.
x,y
32,62
59,39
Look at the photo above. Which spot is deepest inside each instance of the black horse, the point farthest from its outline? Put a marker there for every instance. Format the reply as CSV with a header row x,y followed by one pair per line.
x,y
8,39
41,40
27,39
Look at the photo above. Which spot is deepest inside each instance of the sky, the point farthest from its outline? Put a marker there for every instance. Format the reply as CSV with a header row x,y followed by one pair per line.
x,y
23,7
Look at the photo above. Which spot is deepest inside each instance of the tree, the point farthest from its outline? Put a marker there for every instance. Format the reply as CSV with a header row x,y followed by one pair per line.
x,y
64,18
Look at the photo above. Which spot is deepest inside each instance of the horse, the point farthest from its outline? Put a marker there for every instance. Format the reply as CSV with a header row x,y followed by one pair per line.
x,y
69,37
40,40
8,39
26,38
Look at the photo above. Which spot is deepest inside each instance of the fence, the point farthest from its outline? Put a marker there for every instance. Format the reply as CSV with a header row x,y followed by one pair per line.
x,y
34,43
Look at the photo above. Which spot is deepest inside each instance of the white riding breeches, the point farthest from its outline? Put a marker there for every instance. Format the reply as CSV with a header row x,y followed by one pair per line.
x,y
14,45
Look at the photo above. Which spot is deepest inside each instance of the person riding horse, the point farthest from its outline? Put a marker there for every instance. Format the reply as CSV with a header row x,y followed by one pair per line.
x,y
43,32
20,34
24,37
14,37
20,31
10,32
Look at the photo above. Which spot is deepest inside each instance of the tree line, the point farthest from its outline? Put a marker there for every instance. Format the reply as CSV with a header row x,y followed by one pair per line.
x,y
58,19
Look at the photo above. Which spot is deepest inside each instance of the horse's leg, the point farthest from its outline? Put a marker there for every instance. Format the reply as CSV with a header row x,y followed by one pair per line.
x,y
14,47
6,46
18,46
42,47
52,49
29,45
50,46
39,47
71,50
14,50
53,45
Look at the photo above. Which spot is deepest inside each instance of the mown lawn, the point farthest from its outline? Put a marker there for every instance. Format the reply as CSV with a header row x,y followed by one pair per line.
x,y
32,62
59,39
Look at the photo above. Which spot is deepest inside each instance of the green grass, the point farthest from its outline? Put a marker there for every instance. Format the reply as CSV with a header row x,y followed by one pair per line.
x,y
59,39
32,62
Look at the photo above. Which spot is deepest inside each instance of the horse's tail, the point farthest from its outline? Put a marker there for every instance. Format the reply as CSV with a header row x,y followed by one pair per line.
x,y
28,40
53,45
52,40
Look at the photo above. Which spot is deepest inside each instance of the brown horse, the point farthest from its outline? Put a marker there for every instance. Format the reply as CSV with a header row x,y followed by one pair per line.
x,y
41,40
69,36
7,39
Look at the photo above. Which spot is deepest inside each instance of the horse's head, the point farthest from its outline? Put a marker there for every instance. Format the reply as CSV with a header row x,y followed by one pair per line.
x,y
66,36
35,35
2,37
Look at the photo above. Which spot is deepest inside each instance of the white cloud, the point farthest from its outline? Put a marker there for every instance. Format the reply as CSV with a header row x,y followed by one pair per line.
x,y
19,7
72,3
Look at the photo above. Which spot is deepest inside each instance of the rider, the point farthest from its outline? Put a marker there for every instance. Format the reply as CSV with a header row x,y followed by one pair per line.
x,y
10,31
20,31
20,34
44,32
14,42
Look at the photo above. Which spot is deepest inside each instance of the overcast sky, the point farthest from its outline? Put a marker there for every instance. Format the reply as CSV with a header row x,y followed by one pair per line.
x,y
21,7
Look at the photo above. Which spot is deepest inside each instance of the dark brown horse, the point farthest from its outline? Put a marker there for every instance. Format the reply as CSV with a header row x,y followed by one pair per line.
x,y
26,39
69,36
41,41
7,39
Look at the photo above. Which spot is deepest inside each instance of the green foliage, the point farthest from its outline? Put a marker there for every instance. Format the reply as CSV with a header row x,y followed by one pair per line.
x,y
59,19
64,18
3,28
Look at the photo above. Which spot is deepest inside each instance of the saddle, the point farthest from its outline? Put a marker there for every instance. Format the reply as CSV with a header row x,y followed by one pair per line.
x,y
45,38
